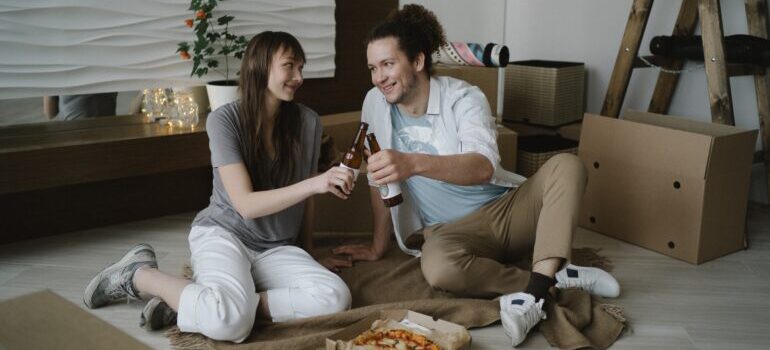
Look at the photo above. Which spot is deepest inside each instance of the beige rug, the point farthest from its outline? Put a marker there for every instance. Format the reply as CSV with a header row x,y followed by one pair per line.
x,y
575,319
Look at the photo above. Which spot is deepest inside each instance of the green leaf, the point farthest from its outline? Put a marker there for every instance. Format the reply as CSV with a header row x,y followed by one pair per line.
x,y
202,27
212,36
196,63
212,63
225,20
201,71
201,45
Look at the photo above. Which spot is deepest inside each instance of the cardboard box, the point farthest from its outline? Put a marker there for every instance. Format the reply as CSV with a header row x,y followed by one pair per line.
x,y
45,320
355,213
342,127
507,145
672,185
426,321
544,92
483,77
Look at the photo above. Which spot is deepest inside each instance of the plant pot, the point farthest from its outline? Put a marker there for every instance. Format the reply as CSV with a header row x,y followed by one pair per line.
x,y
222,92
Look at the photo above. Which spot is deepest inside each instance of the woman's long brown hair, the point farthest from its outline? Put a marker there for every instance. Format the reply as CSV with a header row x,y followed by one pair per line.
x,y
267,173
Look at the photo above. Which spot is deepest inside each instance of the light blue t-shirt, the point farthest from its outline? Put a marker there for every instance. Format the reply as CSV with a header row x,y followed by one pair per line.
x,y
438,201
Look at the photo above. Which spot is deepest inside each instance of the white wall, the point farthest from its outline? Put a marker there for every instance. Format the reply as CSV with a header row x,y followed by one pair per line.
x,y
479,21
86,46
590,31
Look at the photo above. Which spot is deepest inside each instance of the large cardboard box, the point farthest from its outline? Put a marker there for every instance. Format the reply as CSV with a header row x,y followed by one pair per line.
x,y
45,320
350,332
507,146
483,77
672,185
355,213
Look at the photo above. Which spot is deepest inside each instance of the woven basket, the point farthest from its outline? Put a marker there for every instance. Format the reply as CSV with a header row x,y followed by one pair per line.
x,y
535,150
544,92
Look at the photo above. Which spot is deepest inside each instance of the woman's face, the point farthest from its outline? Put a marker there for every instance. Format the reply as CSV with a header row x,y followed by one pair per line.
x,y
285,75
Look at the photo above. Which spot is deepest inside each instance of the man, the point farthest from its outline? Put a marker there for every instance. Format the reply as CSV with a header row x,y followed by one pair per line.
x,y
439,140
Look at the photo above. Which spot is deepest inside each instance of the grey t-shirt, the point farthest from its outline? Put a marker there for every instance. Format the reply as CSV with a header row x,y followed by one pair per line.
x,y
269,231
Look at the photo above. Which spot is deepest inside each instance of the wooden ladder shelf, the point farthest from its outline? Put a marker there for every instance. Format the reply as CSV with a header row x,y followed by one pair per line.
x,y
718,71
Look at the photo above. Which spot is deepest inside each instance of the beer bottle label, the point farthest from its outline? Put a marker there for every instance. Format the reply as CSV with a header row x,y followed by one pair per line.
x,y
390,190
355,171
383,191
387,191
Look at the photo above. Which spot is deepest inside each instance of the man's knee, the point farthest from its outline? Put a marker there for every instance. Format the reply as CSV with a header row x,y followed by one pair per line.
x,y
441,270
570,164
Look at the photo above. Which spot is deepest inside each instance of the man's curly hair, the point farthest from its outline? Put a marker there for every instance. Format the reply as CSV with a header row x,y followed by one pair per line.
x,y
417,30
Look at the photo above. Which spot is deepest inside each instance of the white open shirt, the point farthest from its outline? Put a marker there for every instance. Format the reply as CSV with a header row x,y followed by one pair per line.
x,y
462,123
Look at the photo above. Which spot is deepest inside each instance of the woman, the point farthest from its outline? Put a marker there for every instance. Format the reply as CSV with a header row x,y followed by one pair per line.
x,y
264,149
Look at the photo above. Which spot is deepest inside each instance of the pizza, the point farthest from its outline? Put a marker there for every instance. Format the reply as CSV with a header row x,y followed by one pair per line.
x,y
400,339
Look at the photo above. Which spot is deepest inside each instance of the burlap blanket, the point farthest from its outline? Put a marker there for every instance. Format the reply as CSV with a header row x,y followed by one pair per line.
x,y
575,319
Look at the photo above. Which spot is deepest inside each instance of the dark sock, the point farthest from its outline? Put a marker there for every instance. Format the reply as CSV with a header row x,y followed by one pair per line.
x,y
538,285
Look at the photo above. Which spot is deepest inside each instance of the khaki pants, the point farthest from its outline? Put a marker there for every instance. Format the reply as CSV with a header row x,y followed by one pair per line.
x,y
469,257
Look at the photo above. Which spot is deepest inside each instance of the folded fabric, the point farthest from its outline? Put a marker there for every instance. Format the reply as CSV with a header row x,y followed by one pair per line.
x,y
472,54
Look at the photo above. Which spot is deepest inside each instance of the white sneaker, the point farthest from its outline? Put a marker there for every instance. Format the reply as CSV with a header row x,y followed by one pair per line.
x,y
593,280
519,313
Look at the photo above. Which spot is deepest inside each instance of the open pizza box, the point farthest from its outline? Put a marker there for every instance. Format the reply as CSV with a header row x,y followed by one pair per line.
x,y
452,336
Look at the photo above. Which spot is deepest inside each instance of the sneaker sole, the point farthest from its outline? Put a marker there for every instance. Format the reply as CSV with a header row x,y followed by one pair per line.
x,y
91,288
510,332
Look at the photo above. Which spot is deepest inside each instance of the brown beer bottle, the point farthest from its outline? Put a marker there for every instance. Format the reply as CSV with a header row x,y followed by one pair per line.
x,y
390,193
353,157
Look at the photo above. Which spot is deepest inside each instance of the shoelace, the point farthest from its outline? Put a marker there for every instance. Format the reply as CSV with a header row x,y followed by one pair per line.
x,y
532,316
581,283
121,288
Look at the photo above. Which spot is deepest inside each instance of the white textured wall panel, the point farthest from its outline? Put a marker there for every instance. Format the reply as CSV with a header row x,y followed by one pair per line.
x,y
81,46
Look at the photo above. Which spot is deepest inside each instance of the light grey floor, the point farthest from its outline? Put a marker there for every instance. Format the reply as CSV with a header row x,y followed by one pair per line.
x,y
723,304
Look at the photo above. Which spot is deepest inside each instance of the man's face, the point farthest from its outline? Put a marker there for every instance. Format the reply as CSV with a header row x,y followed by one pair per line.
x,y
391,70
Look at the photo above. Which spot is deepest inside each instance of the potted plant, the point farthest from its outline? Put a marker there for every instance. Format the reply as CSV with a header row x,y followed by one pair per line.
x,y
214,43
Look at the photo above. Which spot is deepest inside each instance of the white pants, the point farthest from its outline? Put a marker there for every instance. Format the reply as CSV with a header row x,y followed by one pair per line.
x,y
222,301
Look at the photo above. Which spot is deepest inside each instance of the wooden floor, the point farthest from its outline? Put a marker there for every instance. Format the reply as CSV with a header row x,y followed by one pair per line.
x,y
723,304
